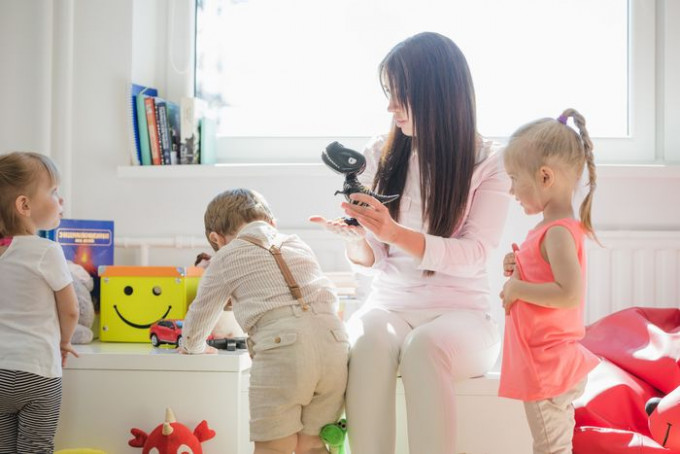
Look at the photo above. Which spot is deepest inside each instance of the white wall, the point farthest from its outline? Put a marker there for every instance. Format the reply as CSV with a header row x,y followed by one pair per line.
x,y
150,204
25,74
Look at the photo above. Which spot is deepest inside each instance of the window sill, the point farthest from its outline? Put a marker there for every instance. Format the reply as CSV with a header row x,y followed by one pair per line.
x,y
671,170
318,169
224,170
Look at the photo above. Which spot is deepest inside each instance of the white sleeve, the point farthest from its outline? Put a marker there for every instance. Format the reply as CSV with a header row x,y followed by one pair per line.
x,y
53,267
203,313
372,153
464,254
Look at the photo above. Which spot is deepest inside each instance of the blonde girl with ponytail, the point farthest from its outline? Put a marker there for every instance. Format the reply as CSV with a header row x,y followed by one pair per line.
x,y
544,365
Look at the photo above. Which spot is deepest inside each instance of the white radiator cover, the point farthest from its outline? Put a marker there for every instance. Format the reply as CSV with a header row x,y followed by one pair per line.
x,y
632,268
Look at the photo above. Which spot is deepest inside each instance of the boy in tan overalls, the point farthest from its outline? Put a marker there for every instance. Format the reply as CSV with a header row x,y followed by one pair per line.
x,y
282,299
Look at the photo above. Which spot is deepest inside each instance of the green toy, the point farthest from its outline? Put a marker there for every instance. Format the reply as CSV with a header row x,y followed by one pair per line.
x,y
334,436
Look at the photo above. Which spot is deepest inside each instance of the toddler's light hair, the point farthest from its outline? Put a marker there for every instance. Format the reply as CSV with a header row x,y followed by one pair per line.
x,y
231,209
20,173
551,141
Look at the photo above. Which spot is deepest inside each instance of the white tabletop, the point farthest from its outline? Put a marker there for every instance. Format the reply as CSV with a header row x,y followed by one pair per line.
x,y
130,356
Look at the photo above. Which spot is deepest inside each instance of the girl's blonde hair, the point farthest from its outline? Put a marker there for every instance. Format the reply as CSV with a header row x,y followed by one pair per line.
x,y
231,209
550,140
20,173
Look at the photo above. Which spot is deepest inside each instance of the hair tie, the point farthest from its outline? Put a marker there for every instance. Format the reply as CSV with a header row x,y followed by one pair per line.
x,y
562,119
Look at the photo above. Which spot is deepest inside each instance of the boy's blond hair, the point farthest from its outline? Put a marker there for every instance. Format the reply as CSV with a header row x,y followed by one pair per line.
x,y
231,209
19,175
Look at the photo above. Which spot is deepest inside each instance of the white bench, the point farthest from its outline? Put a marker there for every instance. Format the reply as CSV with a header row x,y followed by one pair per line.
x,y
487,424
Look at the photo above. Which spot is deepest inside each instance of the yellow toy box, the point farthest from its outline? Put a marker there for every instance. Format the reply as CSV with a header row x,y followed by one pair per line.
x,y
134,297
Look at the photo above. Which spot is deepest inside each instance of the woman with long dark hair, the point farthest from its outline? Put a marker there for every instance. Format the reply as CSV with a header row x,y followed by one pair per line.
x,y
427,315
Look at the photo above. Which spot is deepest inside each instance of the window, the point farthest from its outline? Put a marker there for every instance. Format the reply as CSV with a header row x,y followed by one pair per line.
x,y
287,77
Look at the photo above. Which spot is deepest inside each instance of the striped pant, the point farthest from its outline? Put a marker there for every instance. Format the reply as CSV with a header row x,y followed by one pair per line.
x,y
29,412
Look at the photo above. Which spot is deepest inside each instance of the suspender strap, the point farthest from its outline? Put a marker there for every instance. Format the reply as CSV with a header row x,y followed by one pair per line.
x,y
275,251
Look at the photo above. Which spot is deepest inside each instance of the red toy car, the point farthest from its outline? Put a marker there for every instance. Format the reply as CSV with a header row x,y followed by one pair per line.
x,y
169,331
166,332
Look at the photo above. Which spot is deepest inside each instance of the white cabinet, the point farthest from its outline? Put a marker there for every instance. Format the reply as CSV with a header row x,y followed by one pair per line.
x,y
114,387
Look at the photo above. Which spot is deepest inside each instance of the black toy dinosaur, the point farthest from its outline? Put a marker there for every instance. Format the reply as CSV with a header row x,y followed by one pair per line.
x,y
350,163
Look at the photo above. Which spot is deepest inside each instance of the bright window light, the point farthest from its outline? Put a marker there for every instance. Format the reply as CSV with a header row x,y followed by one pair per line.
x,y
308,68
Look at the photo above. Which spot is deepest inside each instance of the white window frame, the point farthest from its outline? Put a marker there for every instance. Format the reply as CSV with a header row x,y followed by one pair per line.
x,y
654,63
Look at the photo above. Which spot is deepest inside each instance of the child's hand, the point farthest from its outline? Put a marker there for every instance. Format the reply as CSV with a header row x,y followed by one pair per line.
x,y
509,264
67,348
508,294
350,233
510,261
208,351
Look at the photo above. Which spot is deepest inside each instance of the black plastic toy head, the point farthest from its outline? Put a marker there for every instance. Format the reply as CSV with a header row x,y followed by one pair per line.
x,y
343,160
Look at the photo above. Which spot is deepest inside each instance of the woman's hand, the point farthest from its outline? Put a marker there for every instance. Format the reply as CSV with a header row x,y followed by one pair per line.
x,y
350,233
373,216
358,250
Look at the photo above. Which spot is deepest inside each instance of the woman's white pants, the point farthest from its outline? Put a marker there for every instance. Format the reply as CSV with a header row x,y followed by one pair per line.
x,y
430,349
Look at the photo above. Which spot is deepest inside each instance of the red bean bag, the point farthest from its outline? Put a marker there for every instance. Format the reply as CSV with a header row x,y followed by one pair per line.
x,y
664,420
596,440
640,348
644,342
614,399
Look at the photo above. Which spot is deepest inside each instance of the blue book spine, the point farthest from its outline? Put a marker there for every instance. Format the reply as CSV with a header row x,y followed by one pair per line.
x,y
139,136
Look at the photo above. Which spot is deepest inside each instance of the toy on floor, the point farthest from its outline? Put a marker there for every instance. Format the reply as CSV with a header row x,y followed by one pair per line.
x,y
333,435
664,419
169,436
350,163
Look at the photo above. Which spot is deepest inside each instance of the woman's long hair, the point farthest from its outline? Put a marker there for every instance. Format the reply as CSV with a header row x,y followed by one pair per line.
x,y
428,75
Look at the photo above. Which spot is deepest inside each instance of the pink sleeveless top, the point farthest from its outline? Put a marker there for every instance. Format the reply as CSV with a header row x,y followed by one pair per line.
x,y
542,355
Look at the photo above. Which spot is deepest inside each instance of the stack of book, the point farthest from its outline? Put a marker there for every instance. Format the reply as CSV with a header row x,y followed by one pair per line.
x,y
167,133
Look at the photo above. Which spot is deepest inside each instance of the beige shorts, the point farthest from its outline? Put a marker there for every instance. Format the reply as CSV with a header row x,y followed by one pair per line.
x,y
551,421
299,371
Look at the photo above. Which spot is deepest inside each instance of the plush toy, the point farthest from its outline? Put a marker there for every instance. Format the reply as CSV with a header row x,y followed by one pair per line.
x,y
170,436
334,436
83,285
664,419
227,327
